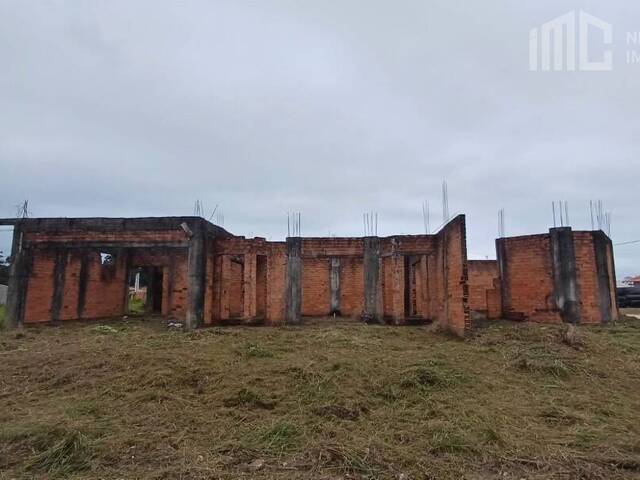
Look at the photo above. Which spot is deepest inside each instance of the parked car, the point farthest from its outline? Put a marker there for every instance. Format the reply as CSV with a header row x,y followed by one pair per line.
x,y
628,297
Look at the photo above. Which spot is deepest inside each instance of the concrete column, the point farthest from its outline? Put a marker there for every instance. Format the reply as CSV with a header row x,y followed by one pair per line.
x,y
563,260
83,279
399,292
225,268
293,281
18,281
196,277
601,246
501,255
57,298
249,282
334,281
371,262
424,287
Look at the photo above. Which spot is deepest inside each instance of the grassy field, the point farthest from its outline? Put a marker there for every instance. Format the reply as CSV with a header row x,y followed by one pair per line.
x,y
2,314
327,400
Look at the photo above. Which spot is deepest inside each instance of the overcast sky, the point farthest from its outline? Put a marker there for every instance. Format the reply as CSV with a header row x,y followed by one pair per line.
x,y
327,107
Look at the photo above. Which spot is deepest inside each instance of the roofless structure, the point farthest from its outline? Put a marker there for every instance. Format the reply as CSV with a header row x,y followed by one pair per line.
x,y
196,272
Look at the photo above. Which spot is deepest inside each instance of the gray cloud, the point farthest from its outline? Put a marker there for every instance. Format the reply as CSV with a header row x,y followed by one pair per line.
x,y
326,107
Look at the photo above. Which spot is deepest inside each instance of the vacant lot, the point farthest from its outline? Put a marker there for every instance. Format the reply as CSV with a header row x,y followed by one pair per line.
x,y
328,400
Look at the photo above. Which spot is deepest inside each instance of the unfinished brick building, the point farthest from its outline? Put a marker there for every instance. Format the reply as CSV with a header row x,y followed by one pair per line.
x,y
562,276
80,268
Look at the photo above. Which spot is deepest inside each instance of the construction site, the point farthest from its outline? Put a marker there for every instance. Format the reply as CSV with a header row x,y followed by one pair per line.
x,y
201,275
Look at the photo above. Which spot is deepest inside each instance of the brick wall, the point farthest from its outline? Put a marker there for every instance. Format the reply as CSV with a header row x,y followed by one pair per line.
x,y
593,301
529,285
40,287
482,274
587,277
316,291
527,278
494,301
351,287
421,276
91,289
451,277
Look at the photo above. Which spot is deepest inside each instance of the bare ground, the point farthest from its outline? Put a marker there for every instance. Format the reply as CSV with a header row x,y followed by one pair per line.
x,y
328,400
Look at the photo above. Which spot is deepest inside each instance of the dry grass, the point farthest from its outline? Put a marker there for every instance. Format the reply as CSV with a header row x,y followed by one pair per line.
x,y
327,400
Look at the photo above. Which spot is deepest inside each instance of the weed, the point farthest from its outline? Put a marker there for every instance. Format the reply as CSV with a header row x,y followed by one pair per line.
x,y
280,436
542,361
249,398
104,330
256,351
445,439
59,451
346,459
429,376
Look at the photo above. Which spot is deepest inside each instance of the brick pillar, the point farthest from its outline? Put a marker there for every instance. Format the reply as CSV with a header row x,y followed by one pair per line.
x,y
563,260
249,283
196,276
293,294
372,301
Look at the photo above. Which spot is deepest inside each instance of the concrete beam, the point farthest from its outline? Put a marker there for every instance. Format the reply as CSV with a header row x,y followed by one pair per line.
x,y
563,260
372,306
293,282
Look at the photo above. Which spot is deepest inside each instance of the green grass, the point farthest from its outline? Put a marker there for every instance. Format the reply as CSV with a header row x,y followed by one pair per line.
x,y
136,306
327,400
2,315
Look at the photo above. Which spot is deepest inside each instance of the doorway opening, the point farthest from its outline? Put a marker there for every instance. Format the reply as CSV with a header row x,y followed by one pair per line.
x,y
145,290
